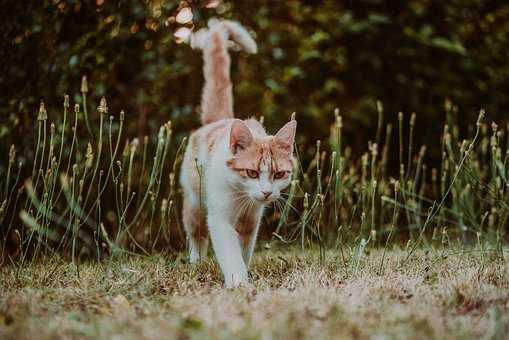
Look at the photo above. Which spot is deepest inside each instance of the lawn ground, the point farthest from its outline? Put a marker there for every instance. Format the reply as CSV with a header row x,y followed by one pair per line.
x,y
443,294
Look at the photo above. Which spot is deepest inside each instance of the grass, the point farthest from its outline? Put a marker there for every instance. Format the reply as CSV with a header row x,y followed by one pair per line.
x,y
92,191
445,294
91,236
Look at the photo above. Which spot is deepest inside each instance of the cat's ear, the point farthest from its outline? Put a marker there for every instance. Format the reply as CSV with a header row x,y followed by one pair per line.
x,y
285,137
240,136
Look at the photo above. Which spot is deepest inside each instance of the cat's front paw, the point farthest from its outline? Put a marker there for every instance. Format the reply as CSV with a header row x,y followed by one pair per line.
x,y
236,280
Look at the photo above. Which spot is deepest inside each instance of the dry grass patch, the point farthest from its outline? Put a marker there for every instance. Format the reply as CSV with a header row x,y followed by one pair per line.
x,y
449,294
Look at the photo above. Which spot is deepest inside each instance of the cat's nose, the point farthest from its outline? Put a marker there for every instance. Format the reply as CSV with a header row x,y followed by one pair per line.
x,y
266,194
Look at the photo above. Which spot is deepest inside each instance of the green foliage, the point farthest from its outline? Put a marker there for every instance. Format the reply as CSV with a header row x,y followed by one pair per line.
x,y
110,193
313,58
98,179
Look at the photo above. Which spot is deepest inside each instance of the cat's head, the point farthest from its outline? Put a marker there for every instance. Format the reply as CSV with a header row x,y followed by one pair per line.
x,y
261,165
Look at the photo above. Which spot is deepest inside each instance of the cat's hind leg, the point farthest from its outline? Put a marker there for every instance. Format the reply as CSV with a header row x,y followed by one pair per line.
x,y
193,210
195,225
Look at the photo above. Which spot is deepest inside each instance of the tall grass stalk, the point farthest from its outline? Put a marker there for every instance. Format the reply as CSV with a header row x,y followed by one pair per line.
x,y
101,193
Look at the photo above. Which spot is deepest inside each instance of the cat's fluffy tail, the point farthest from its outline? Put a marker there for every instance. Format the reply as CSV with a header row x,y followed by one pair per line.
x,y
217,96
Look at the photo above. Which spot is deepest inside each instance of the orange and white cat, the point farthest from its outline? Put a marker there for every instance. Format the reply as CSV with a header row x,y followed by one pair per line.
x,y
232,169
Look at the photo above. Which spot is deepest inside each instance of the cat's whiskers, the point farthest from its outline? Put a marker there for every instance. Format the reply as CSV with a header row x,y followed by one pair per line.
x,y
277,205
290,195
226,146
285,201
235,202
244,207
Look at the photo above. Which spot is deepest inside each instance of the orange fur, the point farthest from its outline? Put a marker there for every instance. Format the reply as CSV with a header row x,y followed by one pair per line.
x,y
245,226
196,219
217,97
231,168
213,134
263,153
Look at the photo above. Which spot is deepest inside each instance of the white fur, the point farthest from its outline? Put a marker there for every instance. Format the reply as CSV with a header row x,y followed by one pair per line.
x,y
210,186
219,187
230,29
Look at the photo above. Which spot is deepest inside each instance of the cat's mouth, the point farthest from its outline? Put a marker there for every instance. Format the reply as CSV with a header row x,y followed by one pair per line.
x,y
264,200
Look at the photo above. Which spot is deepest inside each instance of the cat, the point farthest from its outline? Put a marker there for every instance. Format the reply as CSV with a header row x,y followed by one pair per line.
x,y
232,169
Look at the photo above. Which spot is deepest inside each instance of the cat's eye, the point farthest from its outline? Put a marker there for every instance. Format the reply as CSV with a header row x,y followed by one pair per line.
x,y
252,173
279,174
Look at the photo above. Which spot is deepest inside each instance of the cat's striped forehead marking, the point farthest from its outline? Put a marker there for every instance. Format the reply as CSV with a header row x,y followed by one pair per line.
x,y
263,155
265,158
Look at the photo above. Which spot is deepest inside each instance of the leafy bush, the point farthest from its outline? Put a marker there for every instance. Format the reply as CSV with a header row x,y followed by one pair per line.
x,y
95,182
313,57
111,194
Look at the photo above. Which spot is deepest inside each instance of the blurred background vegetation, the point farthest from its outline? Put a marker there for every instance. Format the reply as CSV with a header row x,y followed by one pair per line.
x,y
364,75
314,57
